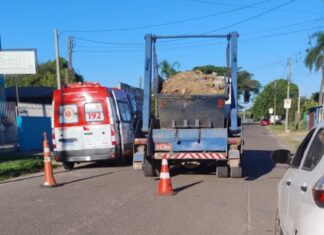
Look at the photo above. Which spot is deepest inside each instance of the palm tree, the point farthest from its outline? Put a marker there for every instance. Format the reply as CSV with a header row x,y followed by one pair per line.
x,y
166,69
315,59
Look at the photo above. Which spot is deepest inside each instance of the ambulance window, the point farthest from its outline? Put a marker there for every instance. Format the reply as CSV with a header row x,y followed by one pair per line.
x,y
68,113
125,112
94,112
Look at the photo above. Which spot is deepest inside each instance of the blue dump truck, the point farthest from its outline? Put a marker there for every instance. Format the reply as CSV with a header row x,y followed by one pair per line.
x,y
200,129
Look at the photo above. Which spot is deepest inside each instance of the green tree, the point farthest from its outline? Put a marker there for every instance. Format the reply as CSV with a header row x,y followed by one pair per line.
x,y
315,59
167,69
246,85
315,55
266,99
46,76
315,96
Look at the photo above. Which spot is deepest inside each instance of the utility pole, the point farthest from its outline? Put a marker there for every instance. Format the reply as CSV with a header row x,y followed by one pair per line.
x,y
321,93
288,88
298,109
70,73
275,103
17,95
57,56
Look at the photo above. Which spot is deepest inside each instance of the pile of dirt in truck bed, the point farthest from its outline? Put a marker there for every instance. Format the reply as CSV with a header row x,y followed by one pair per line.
x,y
194,83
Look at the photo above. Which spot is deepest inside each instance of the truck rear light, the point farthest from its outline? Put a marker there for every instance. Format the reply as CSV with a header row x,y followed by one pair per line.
x,y
220,103
163,146
318,192
113,135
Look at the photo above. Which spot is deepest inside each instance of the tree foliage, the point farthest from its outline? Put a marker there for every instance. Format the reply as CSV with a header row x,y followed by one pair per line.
x,y
46,76
266,99
315,96
315,55
167,69
246,85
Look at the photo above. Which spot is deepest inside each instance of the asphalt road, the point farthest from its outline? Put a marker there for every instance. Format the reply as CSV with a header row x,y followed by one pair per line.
x,y
109,199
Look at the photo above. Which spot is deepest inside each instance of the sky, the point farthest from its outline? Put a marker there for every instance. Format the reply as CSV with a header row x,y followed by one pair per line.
x,y
108,36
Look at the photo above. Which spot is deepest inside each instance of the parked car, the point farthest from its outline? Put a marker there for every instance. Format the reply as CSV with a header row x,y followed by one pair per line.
x,y
301,189
265,122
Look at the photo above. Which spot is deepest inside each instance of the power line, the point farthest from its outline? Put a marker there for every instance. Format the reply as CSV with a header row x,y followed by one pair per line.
x,y
252,33
280,34
285,26
252,17
203,44
255,7
168,23
105,42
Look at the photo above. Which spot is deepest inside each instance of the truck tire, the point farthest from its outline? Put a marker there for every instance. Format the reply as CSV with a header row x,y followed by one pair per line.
x,y
236,172
68,165
149,168
222,171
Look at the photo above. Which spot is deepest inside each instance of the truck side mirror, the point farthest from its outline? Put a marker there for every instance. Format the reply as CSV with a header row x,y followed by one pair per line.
x,y
281,156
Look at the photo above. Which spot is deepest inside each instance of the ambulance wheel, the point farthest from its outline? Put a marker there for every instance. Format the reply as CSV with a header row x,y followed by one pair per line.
x,y
68,165
149,168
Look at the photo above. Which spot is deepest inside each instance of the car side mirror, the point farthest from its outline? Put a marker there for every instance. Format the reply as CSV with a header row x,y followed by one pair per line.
x,y
281,156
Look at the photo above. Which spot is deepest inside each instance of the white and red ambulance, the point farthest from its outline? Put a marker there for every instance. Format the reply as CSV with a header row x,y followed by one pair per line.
x,y
91,123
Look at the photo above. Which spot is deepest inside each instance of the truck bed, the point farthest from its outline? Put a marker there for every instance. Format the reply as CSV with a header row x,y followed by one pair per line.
x,y
191,111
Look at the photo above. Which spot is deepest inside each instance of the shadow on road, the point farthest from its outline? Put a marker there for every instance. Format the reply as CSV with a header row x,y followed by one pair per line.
x,y
200,170
108,163
22,178
87,178
179,189
256,163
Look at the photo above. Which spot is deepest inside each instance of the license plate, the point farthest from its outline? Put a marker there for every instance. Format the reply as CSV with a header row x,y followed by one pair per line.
x,y
66,141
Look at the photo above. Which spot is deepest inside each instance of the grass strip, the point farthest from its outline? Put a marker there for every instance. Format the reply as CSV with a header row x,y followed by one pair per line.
x,y
14,165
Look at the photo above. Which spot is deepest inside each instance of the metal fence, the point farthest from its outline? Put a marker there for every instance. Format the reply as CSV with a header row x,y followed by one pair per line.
x,y
8,128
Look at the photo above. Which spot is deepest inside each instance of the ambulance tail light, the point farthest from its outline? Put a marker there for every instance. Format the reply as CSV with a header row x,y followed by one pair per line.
x,y
53,140
113,135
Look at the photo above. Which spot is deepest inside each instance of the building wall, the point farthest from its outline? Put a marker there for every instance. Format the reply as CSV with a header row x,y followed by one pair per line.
x,y
8,127
35,110
2,96
30,131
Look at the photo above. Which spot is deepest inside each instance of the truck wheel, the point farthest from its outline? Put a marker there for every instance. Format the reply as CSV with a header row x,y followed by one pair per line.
x,y
222,171
236,172
68,165
149,168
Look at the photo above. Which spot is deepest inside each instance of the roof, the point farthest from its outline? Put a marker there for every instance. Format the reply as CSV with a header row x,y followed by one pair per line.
x,y
315,107
39,95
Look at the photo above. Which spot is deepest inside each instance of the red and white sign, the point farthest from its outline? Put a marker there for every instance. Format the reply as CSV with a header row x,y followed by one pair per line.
x,y
202,156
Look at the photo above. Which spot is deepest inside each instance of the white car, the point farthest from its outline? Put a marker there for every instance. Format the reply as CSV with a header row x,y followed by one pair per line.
x,y
301,190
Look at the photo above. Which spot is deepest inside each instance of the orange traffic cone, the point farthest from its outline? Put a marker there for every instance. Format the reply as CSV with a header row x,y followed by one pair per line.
x,y
49,180
165,186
